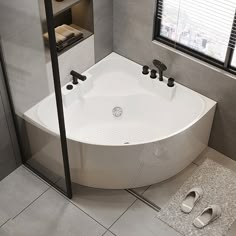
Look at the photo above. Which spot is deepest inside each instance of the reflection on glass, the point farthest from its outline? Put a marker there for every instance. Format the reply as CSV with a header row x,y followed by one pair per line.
x,y
31,82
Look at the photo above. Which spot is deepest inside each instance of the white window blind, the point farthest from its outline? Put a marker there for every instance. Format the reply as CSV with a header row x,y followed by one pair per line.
x,y
207,26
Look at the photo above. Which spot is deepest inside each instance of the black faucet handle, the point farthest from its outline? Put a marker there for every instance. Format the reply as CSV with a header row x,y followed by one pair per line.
x,y
153,74
160,65
145,70
171,82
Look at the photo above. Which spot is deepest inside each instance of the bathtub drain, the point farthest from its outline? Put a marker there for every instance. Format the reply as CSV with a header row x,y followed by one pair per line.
x,y
117,111
126,143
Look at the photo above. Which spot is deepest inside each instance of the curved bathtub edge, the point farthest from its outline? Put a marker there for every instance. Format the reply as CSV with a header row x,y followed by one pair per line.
x,y
121,167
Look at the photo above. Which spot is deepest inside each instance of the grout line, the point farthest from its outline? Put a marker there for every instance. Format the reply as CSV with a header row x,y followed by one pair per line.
x,y
170,226
123,214
5,222
105,233
87,214
146,189
144,200
51,187
108,231
34,174
70,201
130,191
30,203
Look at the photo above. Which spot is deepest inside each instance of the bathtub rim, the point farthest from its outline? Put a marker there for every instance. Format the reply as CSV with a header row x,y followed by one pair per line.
x,y
32,114
31,117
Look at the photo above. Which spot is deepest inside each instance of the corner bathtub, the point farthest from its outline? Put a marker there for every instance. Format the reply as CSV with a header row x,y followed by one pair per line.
x,y
126,130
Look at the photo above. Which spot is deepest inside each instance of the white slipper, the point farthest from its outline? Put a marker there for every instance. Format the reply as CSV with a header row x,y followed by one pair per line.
x,y
209,215
190,200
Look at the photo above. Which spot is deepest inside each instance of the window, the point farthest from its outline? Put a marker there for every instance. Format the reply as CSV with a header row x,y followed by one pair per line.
x,y
205,29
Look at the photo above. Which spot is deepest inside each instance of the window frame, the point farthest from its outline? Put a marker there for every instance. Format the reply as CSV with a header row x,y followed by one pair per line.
x,y
226,65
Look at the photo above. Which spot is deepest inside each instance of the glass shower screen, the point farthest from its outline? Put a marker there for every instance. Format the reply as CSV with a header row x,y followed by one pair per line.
x,y
34,84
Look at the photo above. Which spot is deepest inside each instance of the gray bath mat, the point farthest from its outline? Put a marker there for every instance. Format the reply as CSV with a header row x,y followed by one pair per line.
x,y
219,186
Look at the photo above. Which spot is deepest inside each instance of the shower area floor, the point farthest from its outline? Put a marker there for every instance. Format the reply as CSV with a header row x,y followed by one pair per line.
x,y
30,207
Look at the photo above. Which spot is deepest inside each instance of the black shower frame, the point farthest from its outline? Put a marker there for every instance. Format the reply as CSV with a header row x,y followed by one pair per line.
x,y
58,95
222,65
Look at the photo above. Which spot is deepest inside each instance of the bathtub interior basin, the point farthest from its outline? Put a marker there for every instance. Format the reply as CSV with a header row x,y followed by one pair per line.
x,y
121,121
146,114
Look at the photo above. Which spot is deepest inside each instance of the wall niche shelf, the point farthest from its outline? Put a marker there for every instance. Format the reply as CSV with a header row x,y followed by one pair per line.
x,y
76,13
86,34
58,7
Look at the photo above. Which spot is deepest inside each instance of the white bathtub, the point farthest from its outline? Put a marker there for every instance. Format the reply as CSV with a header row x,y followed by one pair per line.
x,y
161,130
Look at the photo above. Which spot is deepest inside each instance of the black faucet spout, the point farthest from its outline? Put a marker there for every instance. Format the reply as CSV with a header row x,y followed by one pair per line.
x,y
161,68
77,76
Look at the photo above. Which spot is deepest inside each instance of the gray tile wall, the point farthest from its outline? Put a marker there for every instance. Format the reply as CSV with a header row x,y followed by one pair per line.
x,y
103,28
9,119
133,30
8,156
23,50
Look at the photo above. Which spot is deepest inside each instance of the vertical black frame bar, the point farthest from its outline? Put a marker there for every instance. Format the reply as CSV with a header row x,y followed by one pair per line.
x,y
157,20
57,86
231,44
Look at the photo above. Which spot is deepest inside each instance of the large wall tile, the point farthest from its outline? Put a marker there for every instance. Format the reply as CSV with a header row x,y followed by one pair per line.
x,y
6,114
103,28
23,51
8,155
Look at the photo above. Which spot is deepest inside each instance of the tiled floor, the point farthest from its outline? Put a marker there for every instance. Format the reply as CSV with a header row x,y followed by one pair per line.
x,y
29,207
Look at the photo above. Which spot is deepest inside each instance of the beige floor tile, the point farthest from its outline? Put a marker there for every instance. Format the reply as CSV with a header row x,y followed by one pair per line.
x,y
53,215
17,191
106,206
109,234
140,220
160,193
217,157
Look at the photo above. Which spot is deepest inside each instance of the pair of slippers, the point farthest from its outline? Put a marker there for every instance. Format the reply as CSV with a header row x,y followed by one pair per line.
x,y
208,215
